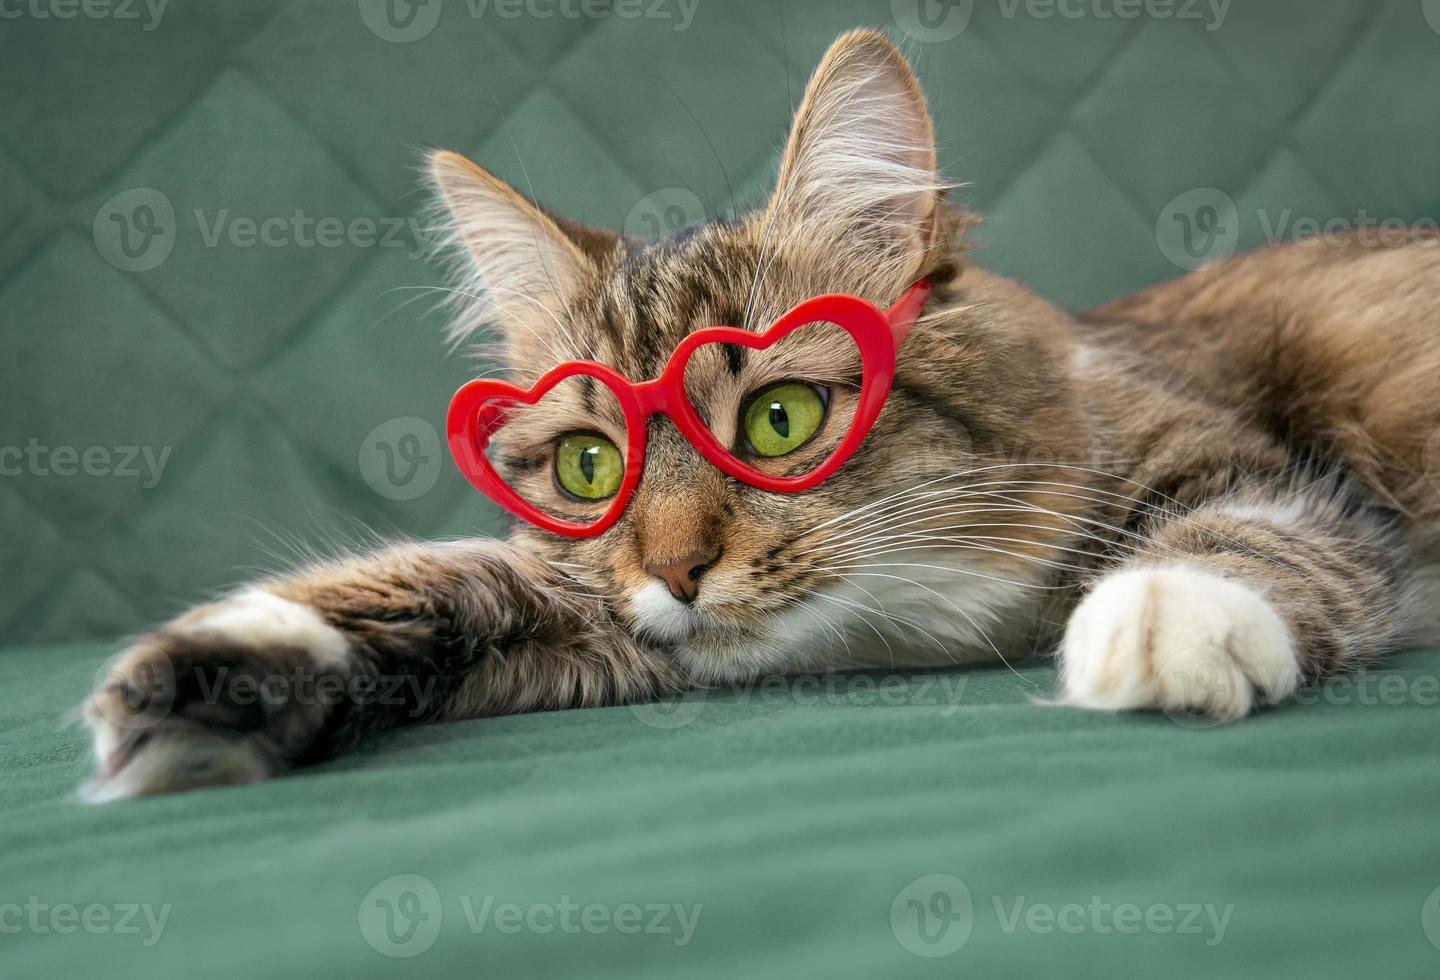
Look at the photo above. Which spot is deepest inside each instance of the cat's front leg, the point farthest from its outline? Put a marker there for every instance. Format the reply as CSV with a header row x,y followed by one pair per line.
x,y
293,669
1232,606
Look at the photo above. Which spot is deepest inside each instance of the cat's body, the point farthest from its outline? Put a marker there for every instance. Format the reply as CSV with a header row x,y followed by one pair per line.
x,y
1200,495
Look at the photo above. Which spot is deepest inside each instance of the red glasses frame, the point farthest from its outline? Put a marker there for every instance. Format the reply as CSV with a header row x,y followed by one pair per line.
x,y
477,410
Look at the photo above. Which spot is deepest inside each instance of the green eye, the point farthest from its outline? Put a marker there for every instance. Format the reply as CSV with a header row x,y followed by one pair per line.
x,y
588,467
782,418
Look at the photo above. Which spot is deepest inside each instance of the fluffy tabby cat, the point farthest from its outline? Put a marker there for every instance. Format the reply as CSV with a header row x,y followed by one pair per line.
x,y
1197,497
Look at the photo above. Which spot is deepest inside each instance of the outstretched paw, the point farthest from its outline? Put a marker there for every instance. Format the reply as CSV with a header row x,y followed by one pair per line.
x,y
1177,639
225,695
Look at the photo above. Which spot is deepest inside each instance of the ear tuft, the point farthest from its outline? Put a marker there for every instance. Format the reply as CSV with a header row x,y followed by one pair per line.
x,y
859,172
517,265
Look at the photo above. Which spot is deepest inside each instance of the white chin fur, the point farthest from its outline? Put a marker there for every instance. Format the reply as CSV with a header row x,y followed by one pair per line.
x,y
660,616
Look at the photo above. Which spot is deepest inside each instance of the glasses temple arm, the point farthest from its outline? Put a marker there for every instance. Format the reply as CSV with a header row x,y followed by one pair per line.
x,y
906,311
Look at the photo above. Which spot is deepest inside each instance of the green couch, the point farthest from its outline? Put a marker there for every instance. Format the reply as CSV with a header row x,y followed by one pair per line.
x,y
217,351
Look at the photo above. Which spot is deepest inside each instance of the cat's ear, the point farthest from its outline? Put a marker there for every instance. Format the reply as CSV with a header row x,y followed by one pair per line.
x,y
859,171
528,262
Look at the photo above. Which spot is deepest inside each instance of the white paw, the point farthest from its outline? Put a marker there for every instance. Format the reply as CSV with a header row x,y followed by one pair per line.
x,y
261,619
189,706
1176,639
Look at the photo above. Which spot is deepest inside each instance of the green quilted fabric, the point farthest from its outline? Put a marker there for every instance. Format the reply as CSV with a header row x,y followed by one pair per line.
x,y
270,347
217,351
864,826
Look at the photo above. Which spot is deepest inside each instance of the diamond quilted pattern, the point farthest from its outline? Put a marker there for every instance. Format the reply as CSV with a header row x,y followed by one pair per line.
x,y
1381,149
1218,132
92,364
26,214
1284,51
1059,55
293,385
537,152
1064,229
249,474
250,187
1279,195
82,95
381,361
448,89
687,134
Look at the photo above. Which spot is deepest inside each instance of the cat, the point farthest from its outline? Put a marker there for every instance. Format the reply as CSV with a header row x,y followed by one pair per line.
x,y
1197,498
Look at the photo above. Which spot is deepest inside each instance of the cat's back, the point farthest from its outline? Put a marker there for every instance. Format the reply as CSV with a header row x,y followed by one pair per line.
x,y
1332,342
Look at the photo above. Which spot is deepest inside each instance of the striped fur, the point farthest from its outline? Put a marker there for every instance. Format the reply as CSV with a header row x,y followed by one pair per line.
x,y
1200,496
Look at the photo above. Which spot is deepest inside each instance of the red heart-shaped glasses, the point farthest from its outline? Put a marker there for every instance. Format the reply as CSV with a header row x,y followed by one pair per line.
x,y
482,407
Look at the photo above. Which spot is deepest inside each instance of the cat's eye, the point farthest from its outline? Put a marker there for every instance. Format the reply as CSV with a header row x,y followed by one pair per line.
x,y
588,466
782,418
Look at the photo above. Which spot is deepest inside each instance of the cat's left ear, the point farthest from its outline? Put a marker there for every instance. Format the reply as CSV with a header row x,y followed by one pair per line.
x,y
529,262
860,166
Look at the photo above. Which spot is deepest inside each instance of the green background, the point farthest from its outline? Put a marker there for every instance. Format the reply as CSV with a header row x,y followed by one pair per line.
x,y
277,376
263,369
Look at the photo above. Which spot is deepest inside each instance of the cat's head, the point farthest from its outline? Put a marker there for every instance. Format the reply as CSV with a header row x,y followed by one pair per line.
x,y
738,580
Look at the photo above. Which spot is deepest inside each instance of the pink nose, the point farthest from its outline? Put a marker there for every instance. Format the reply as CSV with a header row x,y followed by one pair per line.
x,y
682,576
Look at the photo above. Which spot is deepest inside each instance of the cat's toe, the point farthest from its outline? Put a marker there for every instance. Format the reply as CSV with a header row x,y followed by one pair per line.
x,y
204,703
1178,639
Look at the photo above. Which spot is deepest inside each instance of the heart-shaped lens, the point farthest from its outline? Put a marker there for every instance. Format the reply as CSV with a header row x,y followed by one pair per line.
x,y
783,408
565,454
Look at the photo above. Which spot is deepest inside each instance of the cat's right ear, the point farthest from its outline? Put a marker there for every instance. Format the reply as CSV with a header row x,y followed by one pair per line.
x,y
528,263
859,182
